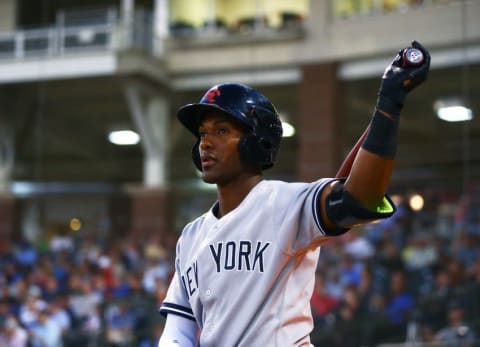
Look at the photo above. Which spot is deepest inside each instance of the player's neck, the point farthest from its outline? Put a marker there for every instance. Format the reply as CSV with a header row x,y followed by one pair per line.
x,y
232,194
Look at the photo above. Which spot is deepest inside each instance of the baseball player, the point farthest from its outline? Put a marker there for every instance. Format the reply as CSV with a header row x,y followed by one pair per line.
x,y
244,270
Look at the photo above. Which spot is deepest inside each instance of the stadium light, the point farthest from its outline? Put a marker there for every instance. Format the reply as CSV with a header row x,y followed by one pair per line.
x,y
123,137
452,110
416,202
288,130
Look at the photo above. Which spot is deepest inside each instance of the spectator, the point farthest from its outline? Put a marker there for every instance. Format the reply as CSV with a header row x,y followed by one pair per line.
x,y
458,333
322,303
120,323
467,248
51,288
88,252
366,288
62,267
358,245
62,241
456,272
332,282
349,321
157,268
420,253
45,332
399,305
92,327
12,334
474,272
350,271
106,271
377,327
29,310
144,306
131,257
85,300
60,316
25,255
433,306
11,272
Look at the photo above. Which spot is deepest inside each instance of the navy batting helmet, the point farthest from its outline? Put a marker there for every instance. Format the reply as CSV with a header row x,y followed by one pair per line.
x,y
259,146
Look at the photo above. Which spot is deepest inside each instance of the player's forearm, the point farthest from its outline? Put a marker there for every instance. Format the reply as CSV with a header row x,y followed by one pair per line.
x,y
371,171
362,198
369,178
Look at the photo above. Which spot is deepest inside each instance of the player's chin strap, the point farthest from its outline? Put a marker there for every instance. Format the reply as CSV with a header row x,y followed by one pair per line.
x,y
346,212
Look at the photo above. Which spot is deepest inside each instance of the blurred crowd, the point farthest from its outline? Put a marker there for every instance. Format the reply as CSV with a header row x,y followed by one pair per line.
x,y
414,277
78,290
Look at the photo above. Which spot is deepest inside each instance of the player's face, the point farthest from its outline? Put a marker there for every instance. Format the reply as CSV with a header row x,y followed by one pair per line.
x,y
219,137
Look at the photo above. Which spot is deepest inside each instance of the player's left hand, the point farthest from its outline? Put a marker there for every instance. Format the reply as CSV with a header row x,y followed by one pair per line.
x,y
399,78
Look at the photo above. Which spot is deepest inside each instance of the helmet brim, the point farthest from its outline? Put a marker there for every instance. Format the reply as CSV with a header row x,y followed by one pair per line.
x,y
191,115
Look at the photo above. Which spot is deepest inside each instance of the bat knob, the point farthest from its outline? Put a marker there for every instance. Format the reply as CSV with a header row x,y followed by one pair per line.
x,y
412,57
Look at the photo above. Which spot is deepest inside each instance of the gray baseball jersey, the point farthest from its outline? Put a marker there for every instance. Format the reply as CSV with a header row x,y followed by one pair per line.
x,y
247,278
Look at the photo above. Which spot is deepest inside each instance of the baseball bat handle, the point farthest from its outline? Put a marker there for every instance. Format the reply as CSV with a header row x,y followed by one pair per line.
x,y
347,163
412,57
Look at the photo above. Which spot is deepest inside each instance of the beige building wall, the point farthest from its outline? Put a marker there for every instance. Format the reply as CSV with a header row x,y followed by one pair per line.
x,y
327,40
7,15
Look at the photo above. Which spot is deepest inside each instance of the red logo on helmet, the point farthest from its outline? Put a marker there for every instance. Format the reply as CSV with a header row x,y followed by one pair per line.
x,y
212,94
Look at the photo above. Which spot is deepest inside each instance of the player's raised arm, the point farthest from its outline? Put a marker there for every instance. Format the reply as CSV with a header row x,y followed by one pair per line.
x,y
362,197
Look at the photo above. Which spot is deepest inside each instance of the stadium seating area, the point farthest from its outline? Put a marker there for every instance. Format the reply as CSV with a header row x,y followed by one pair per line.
x,y
390,282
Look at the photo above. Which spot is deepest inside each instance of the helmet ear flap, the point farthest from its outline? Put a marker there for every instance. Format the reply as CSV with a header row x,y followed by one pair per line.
x,y
196,155
255,150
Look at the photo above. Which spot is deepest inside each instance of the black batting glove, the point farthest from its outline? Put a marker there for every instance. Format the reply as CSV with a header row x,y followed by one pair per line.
x,y
399,78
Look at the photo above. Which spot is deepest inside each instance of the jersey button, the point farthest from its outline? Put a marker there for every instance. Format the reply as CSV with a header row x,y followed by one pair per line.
x,y
208,292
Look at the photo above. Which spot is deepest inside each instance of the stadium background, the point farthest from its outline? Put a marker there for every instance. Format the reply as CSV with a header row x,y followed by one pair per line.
x,y
102,218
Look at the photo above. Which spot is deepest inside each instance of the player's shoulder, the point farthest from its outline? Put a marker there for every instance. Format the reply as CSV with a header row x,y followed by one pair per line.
x,y
192,230
193,226
284,194
293,186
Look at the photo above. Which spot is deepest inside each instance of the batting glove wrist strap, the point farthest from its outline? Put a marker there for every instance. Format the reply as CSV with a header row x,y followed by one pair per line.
x,y
391,107
382,136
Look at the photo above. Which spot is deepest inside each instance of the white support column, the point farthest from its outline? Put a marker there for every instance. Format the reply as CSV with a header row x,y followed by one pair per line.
x,y
31,222
212,16
152,121
155,173
127,8
6,160
160,27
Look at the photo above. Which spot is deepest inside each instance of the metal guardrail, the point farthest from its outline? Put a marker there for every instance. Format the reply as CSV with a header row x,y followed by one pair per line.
x,y
101,29
80,31
49,42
